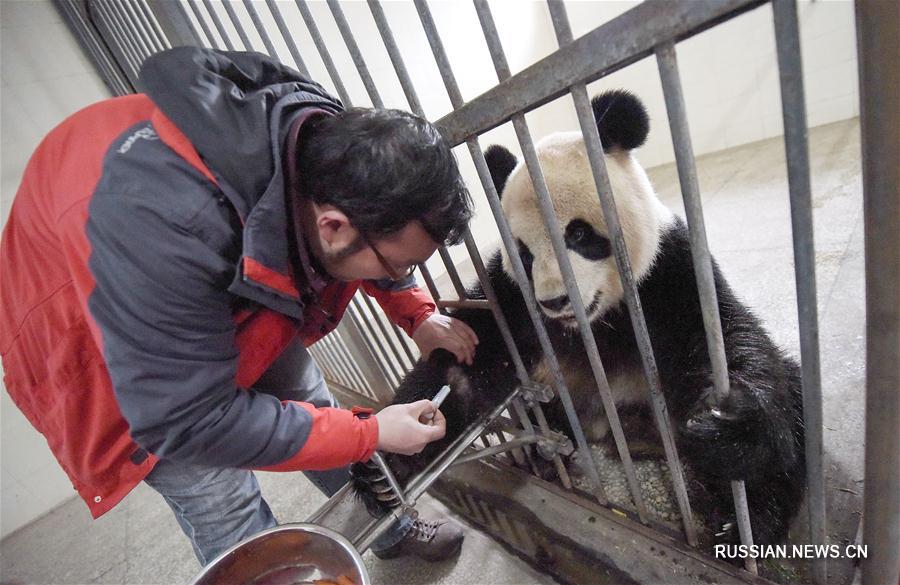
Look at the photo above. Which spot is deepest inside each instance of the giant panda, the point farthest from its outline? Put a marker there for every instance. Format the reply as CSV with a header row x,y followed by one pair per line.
x,y
755,435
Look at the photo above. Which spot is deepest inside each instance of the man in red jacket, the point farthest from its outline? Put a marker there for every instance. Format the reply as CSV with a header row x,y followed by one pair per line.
x,y
170,255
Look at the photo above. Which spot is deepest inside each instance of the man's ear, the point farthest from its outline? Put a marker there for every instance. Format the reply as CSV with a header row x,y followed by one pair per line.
x,y
335,229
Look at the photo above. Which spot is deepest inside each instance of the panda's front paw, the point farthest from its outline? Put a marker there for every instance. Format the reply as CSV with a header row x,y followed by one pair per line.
x,y
372,487
724,437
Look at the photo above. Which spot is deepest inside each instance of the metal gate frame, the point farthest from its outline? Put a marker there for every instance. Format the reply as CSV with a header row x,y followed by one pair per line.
x,y
119,34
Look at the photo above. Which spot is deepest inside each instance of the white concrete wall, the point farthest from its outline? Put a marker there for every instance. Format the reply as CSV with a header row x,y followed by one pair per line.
x,y
729,75
43,79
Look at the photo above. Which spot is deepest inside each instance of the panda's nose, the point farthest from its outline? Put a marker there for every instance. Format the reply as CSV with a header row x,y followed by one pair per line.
x,y
556,304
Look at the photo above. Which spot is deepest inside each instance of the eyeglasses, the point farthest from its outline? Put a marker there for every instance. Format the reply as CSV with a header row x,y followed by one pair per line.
x,y
393,273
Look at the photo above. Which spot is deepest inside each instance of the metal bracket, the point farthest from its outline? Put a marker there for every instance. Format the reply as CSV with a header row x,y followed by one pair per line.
x,y
551,444
536,392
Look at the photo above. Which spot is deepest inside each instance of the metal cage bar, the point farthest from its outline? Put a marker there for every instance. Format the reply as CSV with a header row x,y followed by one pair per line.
x,y
152,25
260,29
632,299
238,27
323,52
355,53
195,9
101,15
395,375
548,215
217,22
790,68
287,37
146,40
879,82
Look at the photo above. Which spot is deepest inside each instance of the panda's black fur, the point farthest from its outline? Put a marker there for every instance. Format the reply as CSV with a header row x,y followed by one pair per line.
x,y
756,435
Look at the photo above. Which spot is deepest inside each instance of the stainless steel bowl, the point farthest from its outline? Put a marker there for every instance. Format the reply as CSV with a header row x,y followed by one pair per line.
x,y
290,554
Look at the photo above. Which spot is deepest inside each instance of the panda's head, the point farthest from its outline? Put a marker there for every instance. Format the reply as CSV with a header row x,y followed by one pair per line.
x,y
623,126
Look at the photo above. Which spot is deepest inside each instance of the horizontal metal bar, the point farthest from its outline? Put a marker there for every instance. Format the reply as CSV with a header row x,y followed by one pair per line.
x,y
879,89
496,449
465,304
629,38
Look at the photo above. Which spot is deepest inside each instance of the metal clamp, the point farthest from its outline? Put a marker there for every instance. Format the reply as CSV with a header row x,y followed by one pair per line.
x,y
553,443
536,392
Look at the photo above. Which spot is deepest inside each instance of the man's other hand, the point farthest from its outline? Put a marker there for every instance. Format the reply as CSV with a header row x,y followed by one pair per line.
x,y
441,331
400,429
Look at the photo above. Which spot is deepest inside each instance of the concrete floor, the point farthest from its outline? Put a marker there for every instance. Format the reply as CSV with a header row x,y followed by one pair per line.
x,y
748,223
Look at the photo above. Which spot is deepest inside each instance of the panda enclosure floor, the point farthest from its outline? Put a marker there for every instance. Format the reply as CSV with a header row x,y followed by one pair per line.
x,y
748,223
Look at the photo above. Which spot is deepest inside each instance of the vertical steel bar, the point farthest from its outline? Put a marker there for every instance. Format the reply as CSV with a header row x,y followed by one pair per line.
x,y
877,24
342,371
403,340
121,28
217,22
517,266
385,335
137,25
288,37
632,299
354,312
551,224
260,29
104,18
703,268
394,53
152,26
452,273
429,282
355,53
199,16
787,44
113,75
384,358
323,52
245,40
354,367
174,22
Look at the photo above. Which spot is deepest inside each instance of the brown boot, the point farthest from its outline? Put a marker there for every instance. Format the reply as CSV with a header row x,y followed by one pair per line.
x,y
431,541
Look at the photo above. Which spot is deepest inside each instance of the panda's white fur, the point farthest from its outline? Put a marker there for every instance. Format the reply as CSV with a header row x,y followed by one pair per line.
x,y
566,168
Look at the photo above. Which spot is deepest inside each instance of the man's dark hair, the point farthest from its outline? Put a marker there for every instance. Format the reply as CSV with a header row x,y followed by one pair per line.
x,y
384,169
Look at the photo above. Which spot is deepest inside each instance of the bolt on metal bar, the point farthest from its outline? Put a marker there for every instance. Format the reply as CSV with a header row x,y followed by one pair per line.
x,y
245,40
288,37
385,335
515,260
127,11
205,27
396,376
217,22
877,24
152,25
551,224
632,299
452,273
355,53
703,268
394,53
790,68
260,29
323,52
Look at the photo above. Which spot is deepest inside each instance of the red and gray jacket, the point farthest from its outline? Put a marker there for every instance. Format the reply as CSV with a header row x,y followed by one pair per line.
x,y
147,281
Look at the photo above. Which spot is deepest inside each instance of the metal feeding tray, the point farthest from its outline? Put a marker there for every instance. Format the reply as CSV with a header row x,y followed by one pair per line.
x,y
290,554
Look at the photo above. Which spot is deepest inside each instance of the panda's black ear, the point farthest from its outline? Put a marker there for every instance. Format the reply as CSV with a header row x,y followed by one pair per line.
x,y
621,119
501,163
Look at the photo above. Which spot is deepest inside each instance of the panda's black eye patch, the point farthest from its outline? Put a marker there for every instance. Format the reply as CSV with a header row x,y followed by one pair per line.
x,y
526,256
583,239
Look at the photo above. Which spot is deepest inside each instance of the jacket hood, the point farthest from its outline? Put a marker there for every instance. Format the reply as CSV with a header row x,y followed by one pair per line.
x,y
235,108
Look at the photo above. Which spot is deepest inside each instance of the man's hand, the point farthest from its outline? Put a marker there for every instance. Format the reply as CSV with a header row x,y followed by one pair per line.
x,y
441,331
400,429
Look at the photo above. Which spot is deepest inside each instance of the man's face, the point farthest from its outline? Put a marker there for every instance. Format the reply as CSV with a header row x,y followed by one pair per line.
x,y
349,257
